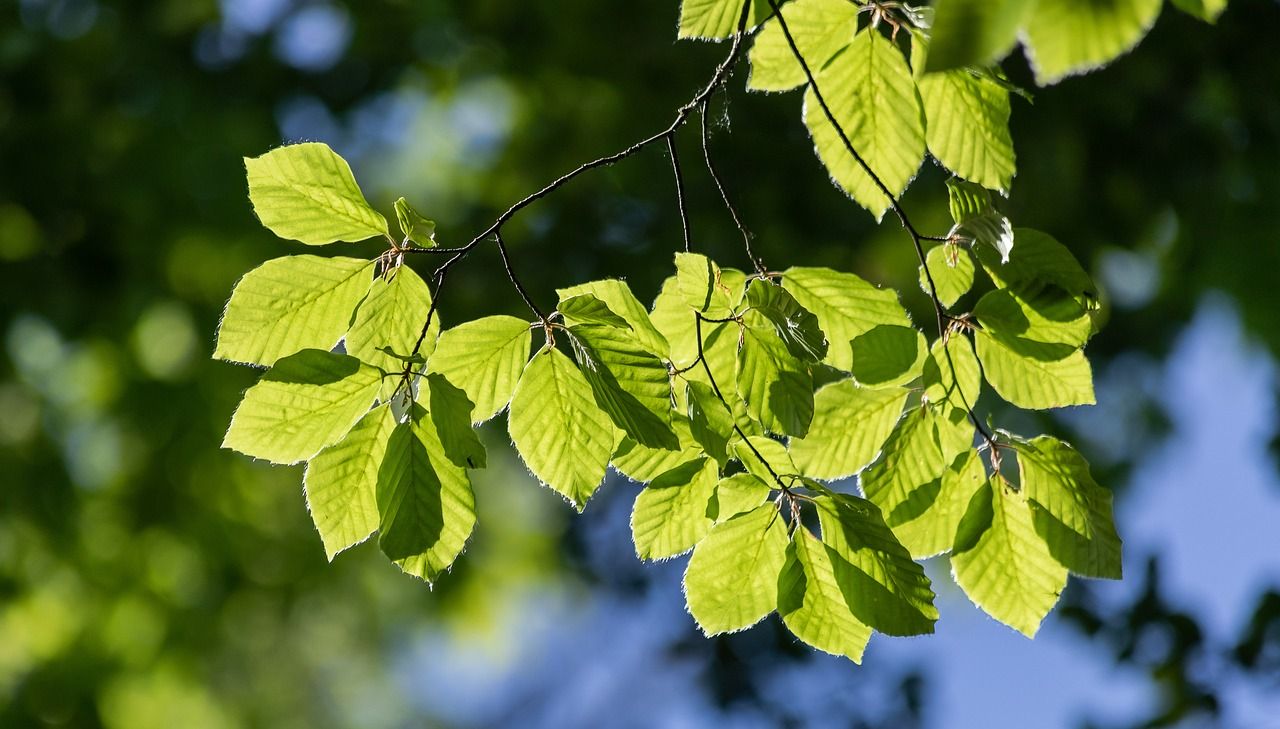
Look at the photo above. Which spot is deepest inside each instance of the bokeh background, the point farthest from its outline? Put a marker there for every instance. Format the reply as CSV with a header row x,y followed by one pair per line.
x,y
149,579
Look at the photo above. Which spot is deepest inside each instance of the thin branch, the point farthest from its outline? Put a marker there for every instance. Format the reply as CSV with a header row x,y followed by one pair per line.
x,y
515,281
939,310
756,262
680,201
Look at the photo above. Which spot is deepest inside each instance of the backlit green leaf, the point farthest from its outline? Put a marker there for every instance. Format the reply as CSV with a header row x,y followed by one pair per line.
x,y
1002,564
306,192
716,19
392,316
631,385
796,326
587,309
732,579
289,304
846,306
888,355
974,32
1033,375
675,511
871,93
563,437
738,493
341,483
309,400
618,297
968,126
1066,37
485,358
777,387
710,421
812,604
850,424
952,375
643,464
820,28
952,269
927,521
415,228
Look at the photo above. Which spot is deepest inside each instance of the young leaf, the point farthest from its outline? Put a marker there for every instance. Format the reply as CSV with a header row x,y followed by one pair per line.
x,y
699,281
738,493
643,464
629,384
796,326
674,512
563,437
1066,37
974,32
307,192
871,93
952,269
1043,314
426,503
309,400
850,424
485,358
618,297
888,355
1002,564
977,219
1034,375
415,228
846,306
1071,512
968,126
341,483
731,582
392,316
927,521
289,304
883,588
777,387
587,309
1039,260
820,28
812,604
715,19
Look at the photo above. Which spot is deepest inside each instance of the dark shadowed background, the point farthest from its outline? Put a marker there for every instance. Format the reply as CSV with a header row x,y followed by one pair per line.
x,y
149,579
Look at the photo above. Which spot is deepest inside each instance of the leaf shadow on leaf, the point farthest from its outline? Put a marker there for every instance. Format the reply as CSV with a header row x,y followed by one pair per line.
x,y
886,353
624,409
978,518
426,499
313,367
1080,553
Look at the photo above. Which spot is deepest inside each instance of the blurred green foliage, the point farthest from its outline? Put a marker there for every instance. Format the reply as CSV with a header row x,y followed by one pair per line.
x,y
149,579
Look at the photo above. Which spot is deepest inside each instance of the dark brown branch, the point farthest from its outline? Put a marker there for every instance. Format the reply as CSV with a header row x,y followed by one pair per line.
x,y
680,201
515,281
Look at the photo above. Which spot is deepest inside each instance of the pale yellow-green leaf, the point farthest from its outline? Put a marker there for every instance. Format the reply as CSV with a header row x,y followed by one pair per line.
x,y
927,521
341,483
850,424
391,317
846,306
777,387
967,118
290,304
952,269
485,358
675,511
1067,37
739,493
871,93
820,28
307,192
812,605
1033,375
616,294
731,582
716,19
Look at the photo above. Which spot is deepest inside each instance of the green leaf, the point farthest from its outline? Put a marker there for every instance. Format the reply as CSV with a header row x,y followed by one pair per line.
x,y
426,503
967,119
1038,261
927,521
309,400
341,483
904,479
563,437
703,287
732,579
710,421
952,269
850,424
415,228
738,493
974,32
846,306
587,309
450,411
675,512
812,604
952,375
1206,10
289,304
392,316
888,355
1034,375
631,385
796,326
871,93
1002,564
1048,315
976,218
821,29
777,387
485,358
307,192
642,464
716,19
1067,37
1071,512
618,297
882,586
776,459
